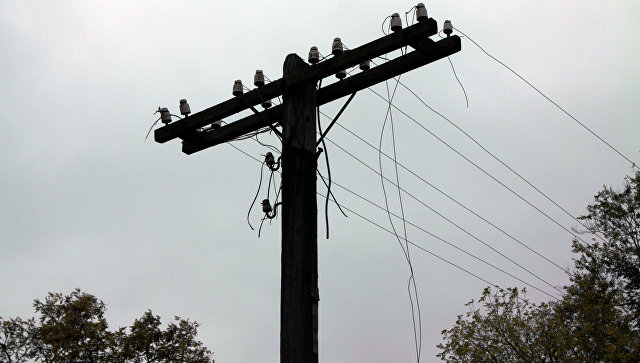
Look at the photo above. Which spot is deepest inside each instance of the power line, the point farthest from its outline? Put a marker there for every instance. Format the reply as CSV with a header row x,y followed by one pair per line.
x,y
445,218
496,158
418,246
447,242
389,116
633,163
483,170
453,199
458,79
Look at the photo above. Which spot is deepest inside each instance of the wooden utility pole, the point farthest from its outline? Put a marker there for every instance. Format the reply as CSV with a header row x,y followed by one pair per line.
x,y
299,276
299,279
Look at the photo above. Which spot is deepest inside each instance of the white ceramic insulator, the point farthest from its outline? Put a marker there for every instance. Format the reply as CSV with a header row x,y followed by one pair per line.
x,y
447,28
165,116
396,22
184,107
336,47
237,88
421,12
258,79
314,55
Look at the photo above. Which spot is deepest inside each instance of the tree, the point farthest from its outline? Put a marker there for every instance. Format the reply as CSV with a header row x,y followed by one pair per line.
x,y
616,216
72,328
597,320
506,327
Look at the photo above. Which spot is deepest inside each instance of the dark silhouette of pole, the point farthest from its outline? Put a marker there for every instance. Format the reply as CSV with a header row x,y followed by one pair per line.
x,y
297,116
299,278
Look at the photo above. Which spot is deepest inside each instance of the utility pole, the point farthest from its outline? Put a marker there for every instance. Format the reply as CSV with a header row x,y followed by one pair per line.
x,y
299,261
296,115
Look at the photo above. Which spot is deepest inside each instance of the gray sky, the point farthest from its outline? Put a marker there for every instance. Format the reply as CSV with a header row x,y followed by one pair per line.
x,y
86,203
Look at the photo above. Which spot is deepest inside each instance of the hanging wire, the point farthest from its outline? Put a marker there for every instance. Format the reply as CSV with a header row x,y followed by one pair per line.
x,y
326,158
633,163
382,25
425,231
151,128
460,83
413,9
452,222
256,197
438,190
156,121
389,115
324,180
483,170
564,210
464,251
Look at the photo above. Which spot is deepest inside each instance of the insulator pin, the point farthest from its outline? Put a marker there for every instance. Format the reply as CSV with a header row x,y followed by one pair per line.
x,y
342,74
396,22
447,28
267,103
421,12
165,116
314,55
185,110
365,65
237,88
337,47
258,79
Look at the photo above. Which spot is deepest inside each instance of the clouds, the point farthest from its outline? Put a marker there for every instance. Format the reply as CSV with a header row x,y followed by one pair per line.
x,y
86,203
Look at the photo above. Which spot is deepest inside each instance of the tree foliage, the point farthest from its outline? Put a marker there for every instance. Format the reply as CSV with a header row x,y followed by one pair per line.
x,y
597,320
72,328
615,215
505,327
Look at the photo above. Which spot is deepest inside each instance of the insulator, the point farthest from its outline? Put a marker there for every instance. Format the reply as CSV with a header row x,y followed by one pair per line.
x,y
365,65
216,124
267,103
314,55
165,116
341,74
336,47
447,28
237,88
269,159
185,110
396,22
421,12
266,206
258,79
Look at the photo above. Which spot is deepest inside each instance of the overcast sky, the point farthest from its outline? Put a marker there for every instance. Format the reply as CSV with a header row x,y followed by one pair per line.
x,y
86,202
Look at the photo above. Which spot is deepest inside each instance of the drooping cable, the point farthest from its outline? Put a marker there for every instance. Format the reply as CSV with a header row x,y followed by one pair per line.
x,y
460,83
257,192
484,171
326,158
451,221
633,163
418,246
422,179
151,128
422,248
475,141
382,208
405,248
335,201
